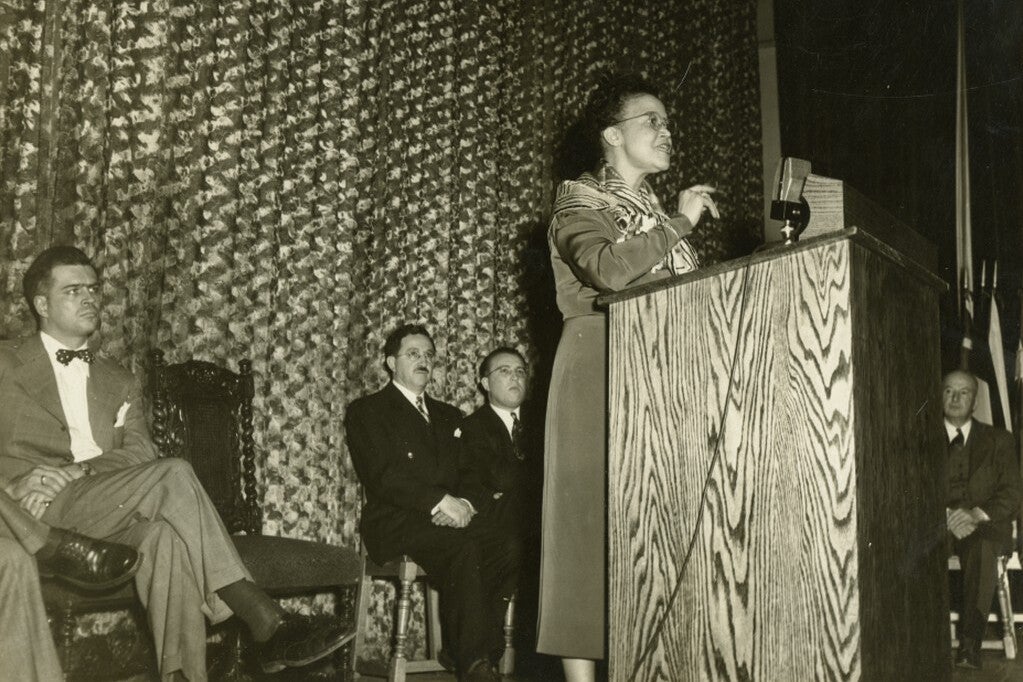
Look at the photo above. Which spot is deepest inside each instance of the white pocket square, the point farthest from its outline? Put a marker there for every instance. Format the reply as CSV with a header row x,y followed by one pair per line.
x,y
122,414
458,433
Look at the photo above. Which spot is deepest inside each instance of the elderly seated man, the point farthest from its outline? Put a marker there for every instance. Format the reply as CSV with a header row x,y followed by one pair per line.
x,y
984,491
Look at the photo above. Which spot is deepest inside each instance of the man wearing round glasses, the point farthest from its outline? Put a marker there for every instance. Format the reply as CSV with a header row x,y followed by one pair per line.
x,y
496,438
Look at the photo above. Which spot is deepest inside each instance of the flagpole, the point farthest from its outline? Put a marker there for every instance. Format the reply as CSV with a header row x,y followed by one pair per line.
x,y
964,235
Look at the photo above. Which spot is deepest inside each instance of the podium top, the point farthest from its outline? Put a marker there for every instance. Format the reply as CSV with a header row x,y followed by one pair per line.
x,y
837,213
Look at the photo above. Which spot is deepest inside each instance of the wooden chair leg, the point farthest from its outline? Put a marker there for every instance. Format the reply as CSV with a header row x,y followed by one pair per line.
x,y
399,660
361,617
506,666
67,636
1005,608
434,640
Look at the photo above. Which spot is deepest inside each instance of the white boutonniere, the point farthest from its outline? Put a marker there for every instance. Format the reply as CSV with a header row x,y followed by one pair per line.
x,y
122,414
458,432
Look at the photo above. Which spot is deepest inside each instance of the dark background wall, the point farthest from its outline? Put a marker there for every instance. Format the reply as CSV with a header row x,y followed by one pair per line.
x,y
868,94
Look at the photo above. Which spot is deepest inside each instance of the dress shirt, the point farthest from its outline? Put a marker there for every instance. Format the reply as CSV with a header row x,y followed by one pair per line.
x,y
950,430
72,385
506,416
411,397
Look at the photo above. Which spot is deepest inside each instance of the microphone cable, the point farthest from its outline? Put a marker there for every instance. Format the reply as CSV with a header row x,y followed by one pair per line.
x,y
715,457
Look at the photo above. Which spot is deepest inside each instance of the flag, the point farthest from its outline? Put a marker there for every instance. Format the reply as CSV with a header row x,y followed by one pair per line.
x,y
997,350
1019,381
974,356
971,358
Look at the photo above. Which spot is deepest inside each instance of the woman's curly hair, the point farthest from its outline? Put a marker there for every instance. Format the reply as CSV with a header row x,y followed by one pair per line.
x,y
607,100
580,147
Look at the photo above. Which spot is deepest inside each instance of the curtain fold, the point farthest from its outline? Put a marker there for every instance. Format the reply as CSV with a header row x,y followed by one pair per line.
x,y
286,181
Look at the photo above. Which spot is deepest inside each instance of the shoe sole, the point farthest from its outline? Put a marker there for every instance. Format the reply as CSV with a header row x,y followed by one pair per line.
x,y
95,587
323,653
271,668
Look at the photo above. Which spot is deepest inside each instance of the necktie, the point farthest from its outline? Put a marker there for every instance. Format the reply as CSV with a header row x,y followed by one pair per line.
x,y
517,436
421,406
957,440
65,356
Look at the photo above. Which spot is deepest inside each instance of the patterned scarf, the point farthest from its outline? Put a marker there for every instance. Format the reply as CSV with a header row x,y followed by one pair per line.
x,y
633,212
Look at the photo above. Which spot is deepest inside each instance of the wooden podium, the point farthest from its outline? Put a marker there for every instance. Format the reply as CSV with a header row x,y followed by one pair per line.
x,y
776,468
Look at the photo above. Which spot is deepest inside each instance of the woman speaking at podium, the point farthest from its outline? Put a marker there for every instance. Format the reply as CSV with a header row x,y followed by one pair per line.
x,y
608,232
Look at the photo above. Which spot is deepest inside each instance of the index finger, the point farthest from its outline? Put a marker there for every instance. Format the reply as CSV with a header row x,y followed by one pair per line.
x,y
713,208
703,189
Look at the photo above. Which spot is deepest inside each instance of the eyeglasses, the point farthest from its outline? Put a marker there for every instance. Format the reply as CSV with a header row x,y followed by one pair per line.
x,y
416,355
654,120
507,372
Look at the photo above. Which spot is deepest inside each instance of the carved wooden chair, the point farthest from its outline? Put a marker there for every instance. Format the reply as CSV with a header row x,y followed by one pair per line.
x,y
203,413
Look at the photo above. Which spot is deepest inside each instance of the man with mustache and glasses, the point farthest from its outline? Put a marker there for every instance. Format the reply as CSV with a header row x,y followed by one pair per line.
x,y
75,452
405,446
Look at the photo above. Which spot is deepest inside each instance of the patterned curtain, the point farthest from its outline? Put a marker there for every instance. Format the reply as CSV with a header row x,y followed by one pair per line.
x,y
288,180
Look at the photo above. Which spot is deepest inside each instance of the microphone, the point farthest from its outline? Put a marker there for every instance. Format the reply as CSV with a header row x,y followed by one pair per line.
x,y
788,203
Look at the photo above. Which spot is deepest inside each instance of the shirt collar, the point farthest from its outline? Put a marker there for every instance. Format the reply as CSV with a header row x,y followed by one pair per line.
x,y
965,428
503,413
52,345
409,395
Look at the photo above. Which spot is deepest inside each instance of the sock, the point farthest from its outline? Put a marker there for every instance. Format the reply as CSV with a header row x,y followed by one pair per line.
x,y
255,608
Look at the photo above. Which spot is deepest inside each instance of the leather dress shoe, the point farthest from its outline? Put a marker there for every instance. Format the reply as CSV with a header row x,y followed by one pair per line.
x,y
301,640
89,563
481,671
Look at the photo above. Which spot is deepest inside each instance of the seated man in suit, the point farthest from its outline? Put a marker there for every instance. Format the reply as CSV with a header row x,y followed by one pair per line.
x,y
405,448
498,446
75,449
984,490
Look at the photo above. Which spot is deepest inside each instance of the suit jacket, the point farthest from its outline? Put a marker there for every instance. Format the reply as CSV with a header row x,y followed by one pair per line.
x,y
994,482
33,429
489,453
488,456
405,465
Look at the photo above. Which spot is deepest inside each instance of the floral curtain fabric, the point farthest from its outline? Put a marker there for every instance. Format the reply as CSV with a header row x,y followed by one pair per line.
x,y
287,181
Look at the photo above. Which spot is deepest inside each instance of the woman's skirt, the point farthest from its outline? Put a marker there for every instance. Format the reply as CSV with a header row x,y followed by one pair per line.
x,y
572,566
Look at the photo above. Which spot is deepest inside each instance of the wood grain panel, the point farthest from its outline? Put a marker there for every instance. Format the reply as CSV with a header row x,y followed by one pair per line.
x,y
901,475
770,590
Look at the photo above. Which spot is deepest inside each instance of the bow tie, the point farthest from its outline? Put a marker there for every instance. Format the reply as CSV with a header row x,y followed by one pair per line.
x,y
65,356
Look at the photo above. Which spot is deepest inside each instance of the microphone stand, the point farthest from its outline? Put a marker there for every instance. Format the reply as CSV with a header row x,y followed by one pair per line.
x,y
796,215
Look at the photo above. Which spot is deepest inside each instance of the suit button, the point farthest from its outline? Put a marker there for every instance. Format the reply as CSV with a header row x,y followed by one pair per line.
x,y
410,455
